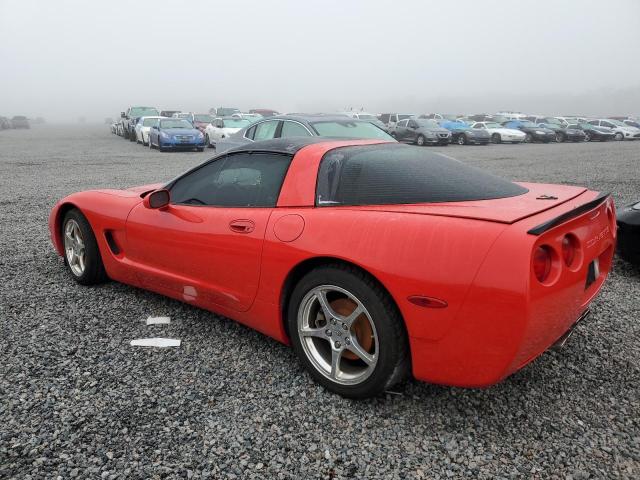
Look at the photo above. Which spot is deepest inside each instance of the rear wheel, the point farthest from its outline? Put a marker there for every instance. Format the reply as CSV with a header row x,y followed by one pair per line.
x,y
462,139
81,252
420,141
587,137
347,332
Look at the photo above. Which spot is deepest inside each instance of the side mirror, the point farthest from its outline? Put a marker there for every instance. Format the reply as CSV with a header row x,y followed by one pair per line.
x,y
122,115
157,199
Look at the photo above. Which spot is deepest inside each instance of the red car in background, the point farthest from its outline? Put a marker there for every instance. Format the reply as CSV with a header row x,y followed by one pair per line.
x,y
375,260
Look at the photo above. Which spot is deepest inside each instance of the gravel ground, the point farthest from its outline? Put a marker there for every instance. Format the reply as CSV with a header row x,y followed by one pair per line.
x,y
79,402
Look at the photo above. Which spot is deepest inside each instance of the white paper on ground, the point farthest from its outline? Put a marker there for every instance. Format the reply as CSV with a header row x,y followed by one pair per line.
x,y
158,320
155,342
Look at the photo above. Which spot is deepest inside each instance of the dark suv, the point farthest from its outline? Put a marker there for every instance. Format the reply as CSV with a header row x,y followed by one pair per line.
x,y
129,119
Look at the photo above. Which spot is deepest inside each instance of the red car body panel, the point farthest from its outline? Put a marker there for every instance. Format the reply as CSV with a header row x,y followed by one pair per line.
x,y
475,256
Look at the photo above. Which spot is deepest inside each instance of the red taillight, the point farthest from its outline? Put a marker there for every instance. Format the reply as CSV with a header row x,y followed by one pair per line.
x,y
569,247
542,263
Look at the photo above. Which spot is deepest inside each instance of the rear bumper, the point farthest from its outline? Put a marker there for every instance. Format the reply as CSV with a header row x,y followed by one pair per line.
x,y
508,317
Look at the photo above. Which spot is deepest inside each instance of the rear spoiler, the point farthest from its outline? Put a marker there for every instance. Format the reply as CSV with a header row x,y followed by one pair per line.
x,y
543,227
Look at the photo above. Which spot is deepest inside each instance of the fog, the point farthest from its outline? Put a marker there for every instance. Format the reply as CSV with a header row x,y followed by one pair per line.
x,y
67,59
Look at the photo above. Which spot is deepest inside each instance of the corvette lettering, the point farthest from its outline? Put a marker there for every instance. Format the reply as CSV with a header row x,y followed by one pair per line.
x,y
592,241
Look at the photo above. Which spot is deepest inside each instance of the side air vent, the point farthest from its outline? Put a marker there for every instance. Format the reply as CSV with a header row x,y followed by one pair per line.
x,y
113,246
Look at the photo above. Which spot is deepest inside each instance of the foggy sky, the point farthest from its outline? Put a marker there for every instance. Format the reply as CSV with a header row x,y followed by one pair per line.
x,y
64,59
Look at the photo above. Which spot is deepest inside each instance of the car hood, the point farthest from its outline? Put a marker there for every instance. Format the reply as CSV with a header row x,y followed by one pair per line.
x,y
181,131
502,210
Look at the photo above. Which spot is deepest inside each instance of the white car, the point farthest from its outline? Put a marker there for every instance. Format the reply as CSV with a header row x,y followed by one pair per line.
x,y
142,128
501,134
622,130
253,117
222,127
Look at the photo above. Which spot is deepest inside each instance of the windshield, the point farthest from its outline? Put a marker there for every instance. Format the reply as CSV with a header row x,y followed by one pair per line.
x,y
175,123
235,123
204,118
349,129
143,112
149,122
427,123
404,116
552,121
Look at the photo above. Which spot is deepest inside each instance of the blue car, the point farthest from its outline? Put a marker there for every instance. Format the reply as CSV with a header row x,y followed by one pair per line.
x,y
463,134
175,134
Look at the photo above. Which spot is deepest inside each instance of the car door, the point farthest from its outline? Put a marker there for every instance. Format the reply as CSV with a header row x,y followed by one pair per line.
x,y
401,130
411,130
206,245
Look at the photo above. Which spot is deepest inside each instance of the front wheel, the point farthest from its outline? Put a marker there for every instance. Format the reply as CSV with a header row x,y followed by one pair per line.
x,y
528,138
587,137
81,252
462,139
420,141
619,136
496,138
346,332
207,141
560,137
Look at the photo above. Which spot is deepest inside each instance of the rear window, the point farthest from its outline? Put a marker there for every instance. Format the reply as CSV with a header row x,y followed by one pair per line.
x,y
391,174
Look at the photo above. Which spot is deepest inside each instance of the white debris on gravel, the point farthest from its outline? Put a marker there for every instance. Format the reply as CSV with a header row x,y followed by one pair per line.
x,y
155,342
158,320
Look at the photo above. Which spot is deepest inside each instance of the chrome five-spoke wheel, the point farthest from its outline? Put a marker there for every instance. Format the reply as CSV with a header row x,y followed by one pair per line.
x,y
74,248
337,334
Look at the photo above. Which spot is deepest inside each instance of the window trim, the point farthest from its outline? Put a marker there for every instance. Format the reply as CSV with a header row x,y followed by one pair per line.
x,y
281,126
257,124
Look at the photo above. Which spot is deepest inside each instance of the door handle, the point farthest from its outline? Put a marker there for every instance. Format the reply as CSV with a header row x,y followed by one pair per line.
x,y
242,226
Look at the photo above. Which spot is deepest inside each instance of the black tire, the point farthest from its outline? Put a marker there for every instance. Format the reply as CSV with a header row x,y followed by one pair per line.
x,y
207,142
528,138
587,137
619,136
462,139
560,137
132,136
392,364
94,271
420,141
496,138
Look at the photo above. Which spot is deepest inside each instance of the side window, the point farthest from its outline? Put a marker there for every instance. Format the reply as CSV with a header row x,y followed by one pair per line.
x,y
479,125
607,124
238,180
402,123
250,133
293,129
266,130
412,124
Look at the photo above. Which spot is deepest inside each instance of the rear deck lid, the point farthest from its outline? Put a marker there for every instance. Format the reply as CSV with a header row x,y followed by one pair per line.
x,y
538,198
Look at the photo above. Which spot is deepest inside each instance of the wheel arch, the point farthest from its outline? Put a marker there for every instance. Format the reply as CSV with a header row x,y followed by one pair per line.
x,y
309,264
58,217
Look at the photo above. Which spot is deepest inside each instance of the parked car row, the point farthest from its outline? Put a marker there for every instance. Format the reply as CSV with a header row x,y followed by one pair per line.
x,y
227,127
19,121
510,127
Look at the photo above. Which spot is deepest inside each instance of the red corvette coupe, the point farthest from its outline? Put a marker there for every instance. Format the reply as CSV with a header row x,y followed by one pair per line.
x,y
373,259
